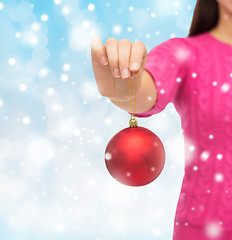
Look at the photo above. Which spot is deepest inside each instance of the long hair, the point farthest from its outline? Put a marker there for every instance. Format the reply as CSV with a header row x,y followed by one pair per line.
x,y
205,17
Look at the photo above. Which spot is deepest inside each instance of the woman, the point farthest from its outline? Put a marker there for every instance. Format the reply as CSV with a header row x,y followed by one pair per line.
x,y
195,73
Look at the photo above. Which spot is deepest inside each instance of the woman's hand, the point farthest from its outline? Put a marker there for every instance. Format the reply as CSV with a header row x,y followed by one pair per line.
x,y
116,62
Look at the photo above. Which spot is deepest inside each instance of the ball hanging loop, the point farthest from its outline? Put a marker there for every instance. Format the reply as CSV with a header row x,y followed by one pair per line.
x,y
133,122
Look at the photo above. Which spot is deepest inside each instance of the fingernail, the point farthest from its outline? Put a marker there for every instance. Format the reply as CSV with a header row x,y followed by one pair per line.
x,y
116,72
104,60
125,73
134,66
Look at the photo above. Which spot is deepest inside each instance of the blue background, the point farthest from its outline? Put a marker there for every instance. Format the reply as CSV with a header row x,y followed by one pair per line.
x,y
55,125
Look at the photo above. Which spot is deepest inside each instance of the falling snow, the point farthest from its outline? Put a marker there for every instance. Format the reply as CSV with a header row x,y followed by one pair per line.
x,y
11,61
205,155
44,17
213,230
55,124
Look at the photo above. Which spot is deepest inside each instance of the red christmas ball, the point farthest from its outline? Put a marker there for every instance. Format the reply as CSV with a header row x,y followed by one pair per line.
x,y
135,156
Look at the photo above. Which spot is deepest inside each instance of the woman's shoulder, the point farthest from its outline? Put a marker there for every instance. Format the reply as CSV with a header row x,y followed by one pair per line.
x,y
188,41
178,48
183,48
191,42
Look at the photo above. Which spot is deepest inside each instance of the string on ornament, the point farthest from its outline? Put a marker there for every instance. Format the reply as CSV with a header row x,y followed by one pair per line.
x,y
135,156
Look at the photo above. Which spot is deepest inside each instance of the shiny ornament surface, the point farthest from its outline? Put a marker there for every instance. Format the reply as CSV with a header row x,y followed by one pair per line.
x,y
135,156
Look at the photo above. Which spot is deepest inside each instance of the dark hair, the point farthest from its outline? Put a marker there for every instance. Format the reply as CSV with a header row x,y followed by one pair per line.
x,y
205,17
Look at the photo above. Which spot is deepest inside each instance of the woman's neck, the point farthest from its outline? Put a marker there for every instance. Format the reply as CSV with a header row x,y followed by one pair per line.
x,y
223,30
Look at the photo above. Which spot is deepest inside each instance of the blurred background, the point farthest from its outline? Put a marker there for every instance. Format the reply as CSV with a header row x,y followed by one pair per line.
x,y
55,125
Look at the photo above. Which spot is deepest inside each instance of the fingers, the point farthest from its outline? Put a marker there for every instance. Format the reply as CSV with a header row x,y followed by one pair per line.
x,y
138,53
125,58
112,54
124,50
98,51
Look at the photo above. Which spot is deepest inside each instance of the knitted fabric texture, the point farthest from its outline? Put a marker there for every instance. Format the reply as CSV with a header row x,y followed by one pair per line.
x,y
195,74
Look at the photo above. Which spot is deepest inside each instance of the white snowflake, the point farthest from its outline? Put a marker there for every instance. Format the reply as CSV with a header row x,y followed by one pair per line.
x,y
44,17
218,177
194,75
219,156
205,155
26,120
108,156
91,7
213,230
225,87
12,61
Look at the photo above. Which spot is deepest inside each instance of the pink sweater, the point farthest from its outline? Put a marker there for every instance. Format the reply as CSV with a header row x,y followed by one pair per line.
x,y
195,74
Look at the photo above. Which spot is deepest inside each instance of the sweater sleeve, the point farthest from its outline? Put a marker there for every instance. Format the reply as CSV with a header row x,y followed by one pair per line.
x,y
166,64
